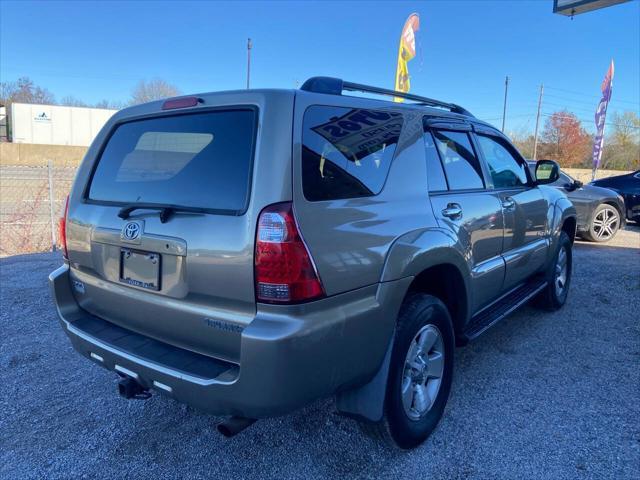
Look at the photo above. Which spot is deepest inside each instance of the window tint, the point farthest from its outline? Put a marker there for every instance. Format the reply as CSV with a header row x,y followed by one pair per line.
x,y
505,170
161,155
460,163
347,152
197,160
435,175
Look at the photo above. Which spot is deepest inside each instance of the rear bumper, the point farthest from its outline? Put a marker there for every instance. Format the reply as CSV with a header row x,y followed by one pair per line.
x,y
290,355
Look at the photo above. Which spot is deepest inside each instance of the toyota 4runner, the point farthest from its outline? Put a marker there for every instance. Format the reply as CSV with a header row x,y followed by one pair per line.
x,y
248,252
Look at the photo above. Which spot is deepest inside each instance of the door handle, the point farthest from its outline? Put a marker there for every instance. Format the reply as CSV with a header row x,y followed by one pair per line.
x,y
452,211
508,203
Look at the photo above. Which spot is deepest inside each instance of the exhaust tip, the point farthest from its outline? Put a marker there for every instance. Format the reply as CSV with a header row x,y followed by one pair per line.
x,y
225,430
234,425
128,388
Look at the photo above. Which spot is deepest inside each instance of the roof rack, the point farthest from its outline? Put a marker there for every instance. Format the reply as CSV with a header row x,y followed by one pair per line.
x,y
335,86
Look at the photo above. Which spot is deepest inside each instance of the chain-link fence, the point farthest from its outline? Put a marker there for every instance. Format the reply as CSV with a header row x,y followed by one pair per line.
x,y
31,202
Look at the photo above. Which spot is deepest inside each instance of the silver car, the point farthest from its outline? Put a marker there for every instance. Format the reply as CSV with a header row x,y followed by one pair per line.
x,y
248,252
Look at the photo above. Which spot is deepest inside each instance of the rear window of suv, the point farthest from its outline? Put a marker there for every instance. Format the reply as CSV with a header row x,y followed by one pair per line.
x,y
347,152
200,160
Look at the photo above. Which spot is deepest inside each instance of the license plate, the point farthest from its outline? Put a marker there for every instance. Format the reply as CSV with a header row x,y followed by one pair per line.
x,y
140,269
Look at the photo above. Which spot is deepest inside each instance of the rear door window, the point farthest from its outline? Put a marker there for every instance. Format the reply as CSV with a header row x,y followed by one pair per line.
x,y
200,160
347,152
460,162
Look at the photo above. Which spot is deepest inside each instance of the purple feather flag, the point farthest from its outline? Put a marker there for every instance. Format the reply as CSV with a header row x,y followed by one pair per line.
x,y
601,114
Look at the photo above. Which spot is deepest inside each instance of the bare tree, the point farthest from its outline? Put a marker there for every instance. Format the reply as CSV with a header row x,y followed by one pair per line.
x,y
109,104
622,147
523,140
155,89
71,101
626,127
24,90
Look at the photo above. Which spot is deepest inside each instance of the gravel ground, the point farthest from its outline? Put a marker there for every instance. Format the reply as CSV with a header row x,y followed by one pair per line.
x,y
538,396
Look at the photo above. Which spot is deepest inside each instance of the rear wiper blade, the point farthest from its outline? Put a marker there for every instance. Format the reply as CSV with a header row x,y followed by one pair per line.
x,y
166,211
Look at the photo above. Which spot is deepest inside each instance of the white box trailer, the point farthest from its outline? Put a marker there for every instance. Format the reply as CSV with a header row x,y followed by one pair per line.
x,y
56,125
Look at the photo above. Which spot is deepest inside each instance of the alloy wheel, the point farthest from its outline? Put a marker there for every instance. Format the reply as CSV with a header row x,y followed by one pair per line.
x,y
423,370
606,223
561,268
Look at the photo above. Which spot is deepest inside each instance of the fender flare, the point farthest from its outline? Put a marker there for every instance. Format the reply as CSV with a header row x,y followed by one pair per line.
x,y
424,249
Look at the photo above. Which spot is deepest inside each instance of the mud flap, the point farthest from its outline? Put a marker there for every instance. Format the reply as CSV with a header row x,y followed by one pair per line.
x,y
367,402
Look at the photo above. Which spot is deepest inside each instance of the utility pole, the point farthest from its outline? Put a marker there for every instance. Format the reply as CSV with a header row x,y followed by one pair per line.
x,y
248,61
535,135
504,110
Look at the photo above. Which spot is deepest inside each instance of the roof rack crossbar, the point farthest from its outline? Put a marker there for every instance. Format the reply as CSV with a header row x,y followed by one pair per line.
x,y
335,86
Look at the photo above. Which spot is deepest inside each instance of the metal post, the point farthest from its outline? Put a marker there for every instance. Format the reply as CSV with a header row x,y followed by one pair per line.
x,y
51,207
535,135
504,110
248,61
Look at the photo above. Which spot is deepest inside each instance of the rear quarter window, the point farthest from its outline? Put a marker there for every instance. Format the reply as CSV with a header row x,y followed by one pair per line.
x,y
347,152
200,160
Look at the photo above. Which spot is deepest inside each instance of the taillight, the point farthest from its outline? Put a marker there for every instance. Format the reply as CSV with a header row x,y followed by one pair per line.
x,y
284,271
62,228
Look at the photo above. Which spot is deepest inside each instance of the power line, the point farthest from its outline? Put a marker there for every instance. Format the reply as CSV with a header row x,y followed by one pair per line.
x,y
592,95
583,104
489,119
592,120
570,107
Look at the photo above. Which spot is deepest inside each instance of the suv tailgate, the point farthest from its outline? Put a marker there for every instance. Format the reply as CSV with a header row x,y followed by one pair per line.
x,y
187,280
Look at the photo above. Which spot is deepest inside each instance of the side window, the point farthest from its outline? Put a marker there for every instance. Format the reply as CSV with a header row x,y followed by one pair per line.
x,y
460,162
347,152
435,174
505,170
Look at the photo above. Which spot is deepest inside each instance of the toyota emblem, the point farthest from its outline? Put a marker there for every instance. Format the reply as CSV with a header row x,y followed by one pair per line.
x,y
131,231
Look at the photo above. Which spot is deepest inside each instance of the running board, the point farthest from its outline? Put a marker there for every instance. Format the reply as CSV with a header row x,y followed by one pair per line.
x,y
492,314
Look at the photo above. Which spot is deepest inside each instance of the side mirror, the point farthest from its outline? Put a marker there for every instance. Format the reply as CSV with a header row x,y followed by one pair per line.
x,y
547,171
573,186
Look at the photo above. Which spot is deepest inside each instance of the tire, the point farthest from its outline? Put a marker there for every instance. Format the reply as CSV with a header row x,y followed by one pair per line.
x,y
604,225
555,293
422,319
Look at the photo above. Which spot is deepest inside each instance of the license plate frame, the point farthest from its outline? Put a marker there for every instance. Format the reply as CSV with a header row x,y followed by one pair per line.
x,y
140,269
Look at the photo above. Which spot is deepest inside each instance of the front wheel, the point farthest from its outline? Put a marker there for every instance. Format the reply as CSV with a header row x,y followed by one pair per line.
x,y
558,275
420,373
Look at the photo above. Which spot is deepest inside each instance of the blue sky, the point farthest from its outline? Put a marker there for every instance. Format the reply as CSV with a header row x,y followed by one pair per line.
x,y
96,50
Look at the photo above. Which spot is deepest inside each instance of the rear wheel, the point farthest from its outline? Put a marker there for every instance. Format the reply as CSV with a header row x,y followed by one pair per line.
x,y
420,373
605,224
